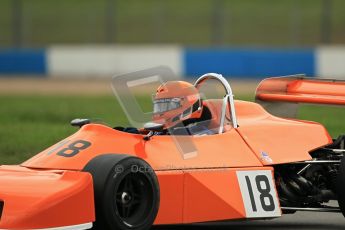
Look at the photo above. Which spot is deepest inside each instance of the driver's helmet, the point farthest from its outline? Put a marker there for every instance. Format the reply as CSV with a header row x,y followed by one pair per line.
x,y
176,101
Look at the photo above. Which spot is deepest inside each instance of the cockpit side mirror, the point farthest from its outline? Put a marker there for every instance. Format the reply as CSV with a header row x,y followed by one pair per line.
x,y
80,122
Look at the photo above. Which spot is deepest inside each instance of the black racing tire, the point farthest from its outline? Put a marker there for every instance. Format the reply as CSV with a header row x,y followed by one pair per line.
x,y
126,192
341,186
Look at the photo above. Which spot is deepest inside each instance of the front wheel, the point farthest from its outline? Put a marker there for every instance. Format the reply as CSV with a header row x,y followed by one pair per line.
x,y
126,192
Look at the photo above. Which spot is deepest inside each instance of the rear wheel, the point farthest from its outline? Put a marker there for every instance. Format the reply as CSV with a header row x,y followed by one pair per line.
x,y
341,186
126,192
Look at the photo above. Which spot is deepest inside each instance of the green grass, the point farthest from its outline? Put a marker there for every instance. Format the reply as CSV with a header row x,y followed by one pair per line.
x,y
264,22
330,116
29,124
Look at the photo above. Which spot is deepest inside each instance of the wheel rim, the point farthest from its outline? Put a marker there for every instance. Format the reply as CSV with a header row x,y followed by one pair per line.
x,y
134,199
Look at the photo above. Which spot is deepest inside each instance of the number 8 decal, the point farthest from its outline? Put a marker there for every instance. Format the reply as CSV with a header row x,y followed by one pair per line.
x,y
265,193
74,148
258,193
71,150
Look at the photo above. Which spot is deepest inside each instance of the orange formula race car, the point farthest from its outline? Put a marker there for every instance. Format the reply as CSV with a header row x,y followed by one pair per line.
x,y
248,164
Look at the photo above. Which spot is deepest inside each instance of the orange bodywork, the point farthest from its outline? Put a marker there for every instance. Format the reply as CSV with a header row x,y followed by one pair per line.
x,y
196,186
200,195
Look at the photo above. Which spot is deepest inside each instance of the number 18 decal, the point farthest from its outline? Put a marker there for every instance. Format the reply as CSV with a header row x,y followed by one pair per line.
x,y
258,193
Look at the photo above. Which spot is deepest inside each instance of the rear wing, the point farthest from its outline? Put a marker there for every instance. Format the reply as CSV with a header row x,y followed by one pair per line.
x,y
280,95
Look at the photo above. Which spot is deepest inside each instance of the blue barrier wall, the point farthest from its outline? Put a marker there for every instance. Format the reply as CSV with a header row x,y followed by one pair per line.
x,y
23,61
255,63
236,62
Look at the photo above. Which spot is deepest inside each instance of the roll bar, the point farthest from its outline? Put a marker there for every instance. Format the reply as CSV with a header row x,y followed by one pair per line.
x,y
228,98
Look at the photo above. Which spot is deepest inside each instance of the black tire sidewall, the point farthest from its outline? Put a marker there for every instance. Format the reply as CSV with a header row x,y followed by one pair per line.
x,y
115,171
341,186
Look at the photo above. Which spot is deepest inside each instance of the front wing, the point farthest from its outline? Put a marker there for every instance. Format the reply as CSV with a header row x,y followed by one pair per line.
x,y
39,199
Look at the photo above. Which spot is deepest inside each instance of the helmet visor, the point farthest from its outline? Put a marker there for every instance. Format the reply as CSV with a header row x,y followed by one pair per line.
x,y
166,104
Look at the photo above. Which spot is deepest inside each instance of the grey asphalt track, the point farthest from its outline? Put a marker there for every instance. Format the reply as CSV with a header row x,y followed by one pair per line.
x,y
297,221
